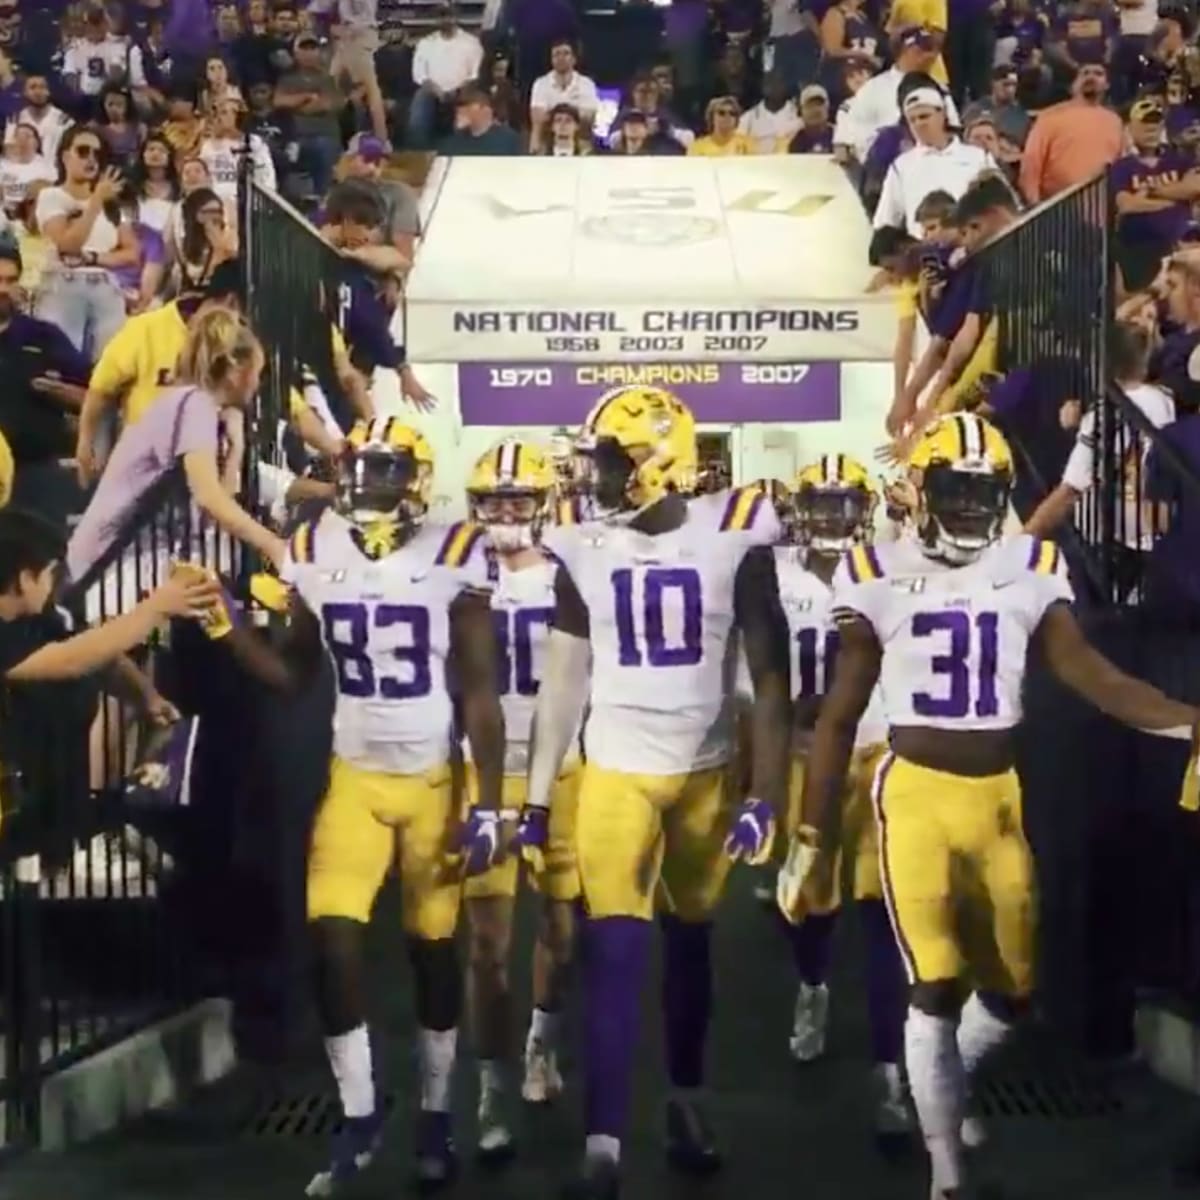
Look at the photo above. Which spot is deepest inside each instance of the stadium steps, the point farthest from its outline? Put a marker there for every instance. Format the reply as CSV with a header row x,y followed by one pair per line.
x,y
417,17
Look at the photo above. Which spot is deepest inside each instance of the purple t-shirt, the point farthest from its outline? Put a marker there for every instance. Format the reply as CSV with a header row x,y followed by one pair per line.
x,y
1027,30
1085,33
180,421
1134,173
151,249
958,299
812,141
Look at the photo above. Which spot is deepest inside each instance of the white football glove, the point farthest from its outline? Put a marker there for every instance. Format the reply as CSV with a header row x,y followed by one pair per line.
x,y
802,855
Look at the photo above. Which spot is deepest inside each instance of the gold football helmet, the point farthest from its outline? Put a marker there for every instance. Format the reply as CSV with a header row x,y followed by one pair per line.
x,y
833,505
962,472
384,479
509,492
637,445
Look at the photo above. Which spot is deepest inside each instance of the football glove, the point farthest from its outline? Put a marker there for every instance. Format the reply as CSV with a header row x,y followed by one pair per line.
x,y
480,844
793,875
753,834
533,833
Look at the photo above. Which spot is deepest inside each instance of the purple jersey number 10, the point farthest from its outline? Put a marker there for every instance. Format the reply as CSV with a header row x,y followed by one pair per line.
x,y
955,664
656,584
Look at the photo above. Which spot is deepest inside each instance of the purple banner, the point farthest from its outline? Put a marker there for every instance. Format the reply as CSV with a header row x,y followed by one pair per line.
x,y
718,393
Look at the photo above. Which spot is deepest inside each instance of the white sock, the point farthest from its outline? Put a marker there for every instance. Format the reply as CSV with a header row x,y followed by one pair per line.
x,y
435,1053
543,1028
350,1058
492,1075
979,1033
600,1145
935,1078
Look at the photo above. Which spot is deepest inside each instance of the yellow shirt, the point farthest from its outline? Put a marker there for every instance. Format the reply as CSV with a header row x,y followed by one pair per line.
x,y
35,250
930,14
908,298
140,361
706,147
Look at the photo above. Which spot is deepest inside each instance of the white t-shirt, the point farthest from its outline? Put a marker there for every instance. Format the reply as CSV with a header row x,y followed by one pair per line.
x,y
447,62
155,212
51,124
222,155
1158,408
577,90
767,127
1139,21
786,20
922,170
876,105
15,178
92,62
58,202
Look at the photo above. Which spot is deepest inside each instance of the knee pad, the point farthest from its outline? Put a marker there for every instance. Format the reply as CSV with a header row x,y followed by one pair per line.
x,y
338,973
438,982
937,998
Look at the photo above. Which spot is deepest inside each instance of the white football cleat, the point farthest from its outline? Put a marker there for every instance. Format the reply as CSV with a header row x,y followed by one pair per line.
x,y
495,1138
893,1117
542,1084
809,1022
973,1133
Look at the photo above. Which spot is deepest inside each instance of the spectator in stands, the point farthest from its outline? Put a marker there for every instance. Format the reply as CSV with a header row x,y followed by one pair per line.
x,y
156,184
846,138
816,134
476,131
398,202
1002,105
847,30
208,239
98,58
23,164
311,96
876,104
33,247
771,124
938,162
118,125
444,62
184,127
49,121
1154,188
355,33
219,367
1128,362
81,220
563,135
792,47
44,379
663,126
1072,141
722,138
1169,362
538,24
562,84
215,86
223,147
496,76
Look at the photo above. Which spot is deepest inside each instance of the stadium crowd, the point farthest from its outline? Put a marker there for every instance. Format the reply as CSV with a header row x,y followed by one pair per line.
x,y
128,129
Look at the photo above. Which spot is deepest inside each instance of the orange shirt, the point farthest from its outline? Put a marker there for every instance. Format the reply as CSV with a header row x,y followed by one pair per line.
x,y
1069,143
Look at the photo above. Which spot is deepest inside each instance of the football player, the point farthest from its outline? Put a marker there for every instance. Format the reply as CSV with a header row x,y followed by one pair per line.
x,y
510,494
394,601
944,619
833,510
651,595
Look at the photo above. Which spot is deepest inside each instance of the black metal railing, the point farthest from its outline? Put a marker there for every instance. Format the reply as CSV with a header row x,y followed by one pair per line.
x,y
90,947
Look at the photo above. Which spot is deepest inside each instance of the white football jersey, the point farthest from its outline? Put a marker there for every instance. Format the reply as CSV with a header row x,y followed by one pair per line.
x,y
523,606
661,613
386,625
954,638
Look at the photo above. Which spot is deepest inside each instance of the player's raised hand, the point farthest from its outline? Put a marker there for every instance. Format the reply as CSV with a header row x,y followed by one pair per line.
x,y
532,836
753,834
480,844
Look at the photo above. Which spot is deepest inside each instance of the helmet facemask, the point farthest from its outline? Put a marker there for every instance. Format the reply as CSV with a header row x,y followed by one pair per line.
x,y
964,510
512,518
381,489
831,520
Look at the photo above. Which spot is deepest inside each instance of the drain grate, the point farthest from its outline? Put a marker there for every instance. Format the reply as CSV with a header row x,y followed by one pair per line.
x,y
309,1116
1057,1098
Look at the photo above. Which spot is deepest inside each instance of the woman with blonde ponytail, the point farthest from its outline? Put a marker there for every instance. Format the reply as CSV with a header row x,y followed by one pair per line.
x,y
216,379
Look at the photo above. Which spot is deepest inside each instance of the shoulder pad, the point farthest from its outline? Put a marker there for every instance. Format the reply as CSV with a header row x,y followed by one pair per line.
x,y
1043,557
861,564
460,540
741,509
303,544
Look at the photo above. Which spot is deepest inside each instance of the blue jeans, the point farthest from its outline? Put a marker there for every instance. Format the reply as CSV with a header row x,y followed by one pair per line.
x,y
86,305
422,119
318,156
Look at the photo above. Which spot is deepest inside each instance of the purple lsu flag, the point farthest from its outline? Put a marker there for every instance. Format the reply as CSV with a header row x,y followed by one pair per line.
x,y
725,393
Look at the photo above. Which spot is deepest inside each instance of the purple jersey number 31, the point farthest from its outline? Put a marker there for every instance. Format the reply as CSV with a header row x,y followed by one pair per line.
x,y
682,586
954,664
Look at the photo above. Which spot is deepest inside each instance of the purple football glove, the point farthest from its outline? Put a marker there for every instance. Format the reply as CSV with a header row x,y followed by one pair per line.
x,y
753,834
479,841
533,833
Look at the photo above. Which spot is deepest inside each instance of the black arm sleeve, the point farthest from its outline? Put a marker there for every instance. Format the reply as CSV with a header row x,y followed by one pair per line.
x,y
570,611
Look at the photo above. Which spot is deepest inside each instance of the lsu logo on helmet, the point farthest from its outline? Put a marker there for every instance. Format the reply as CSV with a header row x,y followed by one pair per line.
x,y
383,483
833,505
510,491
638,444
962,472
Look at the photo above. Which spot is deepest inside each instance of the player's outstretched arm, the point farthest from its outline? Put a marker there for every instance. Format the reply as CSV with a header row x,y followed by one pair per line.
x,y
566,682
854,677
764,629
1086,671
288,667
473,648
